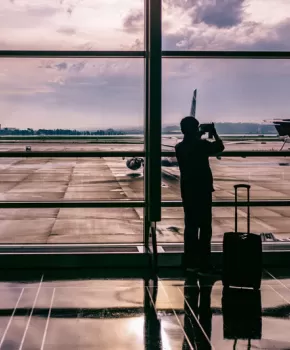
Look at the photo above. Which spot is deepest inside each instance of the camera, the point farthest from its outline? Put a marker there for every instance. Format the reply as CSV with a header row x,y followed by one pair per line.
x,y
209,127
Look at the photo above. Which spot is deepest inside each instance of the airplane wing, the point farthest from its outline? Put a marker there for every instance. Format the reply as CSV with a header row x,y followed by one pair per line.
x,y
168,146
239,142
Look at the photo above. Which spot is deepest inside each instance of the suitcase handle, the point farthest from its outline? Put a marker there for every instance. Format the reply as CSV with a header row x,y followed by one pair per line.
x,y
242,186
236,341
236,205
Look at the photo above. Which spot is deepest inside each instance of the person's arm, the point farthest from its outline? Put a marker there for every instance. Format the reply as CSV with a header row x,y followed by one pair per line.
x,y
216,146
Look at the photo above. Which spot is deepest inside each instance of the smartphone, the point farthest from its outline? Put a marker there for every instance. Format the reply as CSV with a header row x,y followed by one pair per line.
x,y
207,128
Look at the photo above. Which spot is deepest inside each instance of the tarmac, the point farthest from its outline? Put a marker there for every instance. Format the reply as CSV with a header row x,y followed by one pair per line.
x,y
32,179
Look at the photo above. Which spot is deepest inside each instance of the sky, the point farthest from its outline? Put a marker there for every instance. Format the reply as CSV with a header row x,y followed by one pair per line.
x,y
103,93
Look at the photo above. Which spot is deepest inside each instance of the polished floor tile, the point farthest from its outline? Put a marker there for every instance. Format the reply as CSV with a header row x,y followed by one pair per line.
x,y
88,309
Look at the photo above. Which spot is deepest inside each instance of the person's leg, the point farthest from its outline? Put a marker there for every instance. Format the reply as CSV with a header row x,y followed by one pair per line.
x,y
190,237
205,231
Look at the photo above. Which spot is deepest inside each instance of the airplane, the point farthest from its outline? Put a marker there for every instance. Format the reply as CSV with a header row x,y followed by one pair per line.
x,y
283,128
136,163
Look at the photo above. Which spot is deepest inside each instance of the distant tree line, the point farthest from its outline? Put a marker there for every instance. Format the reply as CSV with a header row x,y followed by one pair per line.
x,y
232,128
59,132
222,128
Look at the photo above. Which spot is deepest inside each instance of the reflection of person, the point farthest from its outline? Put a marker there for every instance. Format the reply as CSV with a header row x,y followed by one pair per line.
x,y
197,316
196,182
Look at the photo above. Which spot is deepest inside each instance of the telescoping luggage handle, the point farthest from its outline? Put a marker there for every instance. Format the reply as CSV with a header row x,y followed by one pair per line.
x,y
236,205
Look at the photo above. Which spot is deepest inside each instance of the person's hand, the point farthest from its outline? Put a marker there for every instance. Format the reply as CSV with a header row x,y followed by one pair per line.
x,y
214,132
200,133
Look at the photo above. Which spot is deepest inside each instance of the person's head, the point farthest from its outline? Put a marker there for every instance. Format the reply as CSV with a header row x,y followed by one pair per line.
x,y
189,126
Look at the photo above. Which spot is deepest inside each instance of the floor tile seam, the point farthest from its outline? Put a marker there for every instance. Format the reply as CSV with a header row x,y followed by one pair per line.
x,y
196,319
276,279
47,321
11,318
180,325
280,295
31,312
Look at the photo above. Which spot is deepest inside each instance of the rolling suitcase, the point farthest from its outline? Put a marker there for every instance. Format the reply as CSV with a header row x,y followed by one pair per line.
x,y
242,253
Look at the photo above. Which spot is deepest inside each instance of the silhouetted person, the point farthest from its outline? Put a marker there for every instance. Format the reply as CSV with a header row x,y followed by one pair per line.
x,y
196,183
197,313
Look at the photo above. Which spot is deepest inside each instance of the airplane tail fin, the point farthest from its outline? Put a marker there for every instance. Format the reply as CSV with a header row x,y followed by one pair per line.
x,y
193,103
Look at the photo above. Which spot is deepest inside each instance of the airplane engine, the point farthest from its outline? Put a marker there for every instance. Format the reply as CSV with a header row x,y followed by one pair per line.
x,y
134,163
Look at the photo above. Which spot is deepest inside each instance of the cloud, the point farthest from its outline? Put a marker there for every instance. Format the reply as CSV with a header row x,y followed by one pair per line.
x,y
41,10
78,67
249,36
61,66
134,21
221,14
67,30
183,4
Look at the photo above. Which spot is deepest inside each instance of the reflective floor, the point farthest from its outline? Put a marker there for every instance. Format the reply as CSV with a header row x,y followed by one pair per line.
x,y
109,309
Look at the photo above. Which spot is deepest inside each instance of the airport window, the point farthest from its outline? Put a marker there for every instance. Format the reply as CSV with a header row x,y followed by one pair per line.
x,y
240,100
72,105
72,25
83,139
272,222
72,226
211,25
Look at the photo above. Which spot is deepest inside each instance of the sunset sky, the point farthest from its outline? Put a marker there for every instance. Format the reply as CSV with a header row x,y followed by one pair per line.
x,y
100,93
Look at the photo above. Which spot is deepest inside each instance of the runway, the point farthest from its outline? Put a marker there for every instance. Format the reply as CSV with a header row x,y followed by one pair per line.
x,y
110,179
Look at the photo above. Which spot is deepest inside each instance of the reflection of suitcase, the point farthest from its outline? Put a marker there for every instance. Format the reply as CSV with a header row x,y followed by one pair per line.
x,y
242,254
242,313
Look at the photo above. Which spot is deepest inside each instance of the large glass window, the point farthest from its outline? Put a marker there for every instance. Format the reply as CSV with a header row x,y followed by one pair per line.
x,y
238,95
274,220
228,91
71,225
72,25
94,100
241,25
72,105
104,178
86,94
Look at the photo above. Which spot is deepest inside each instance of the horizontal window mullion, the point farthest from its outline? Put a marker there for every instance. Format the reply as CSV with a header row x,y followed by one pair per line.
x,y
130,204
70,53
243,154
227,54
88,154
226,203
70,204
69,154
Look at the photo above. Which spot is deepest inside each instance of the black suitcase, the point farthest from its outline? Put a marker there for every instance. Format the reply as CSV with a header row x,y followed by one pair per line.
x,y
242,253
